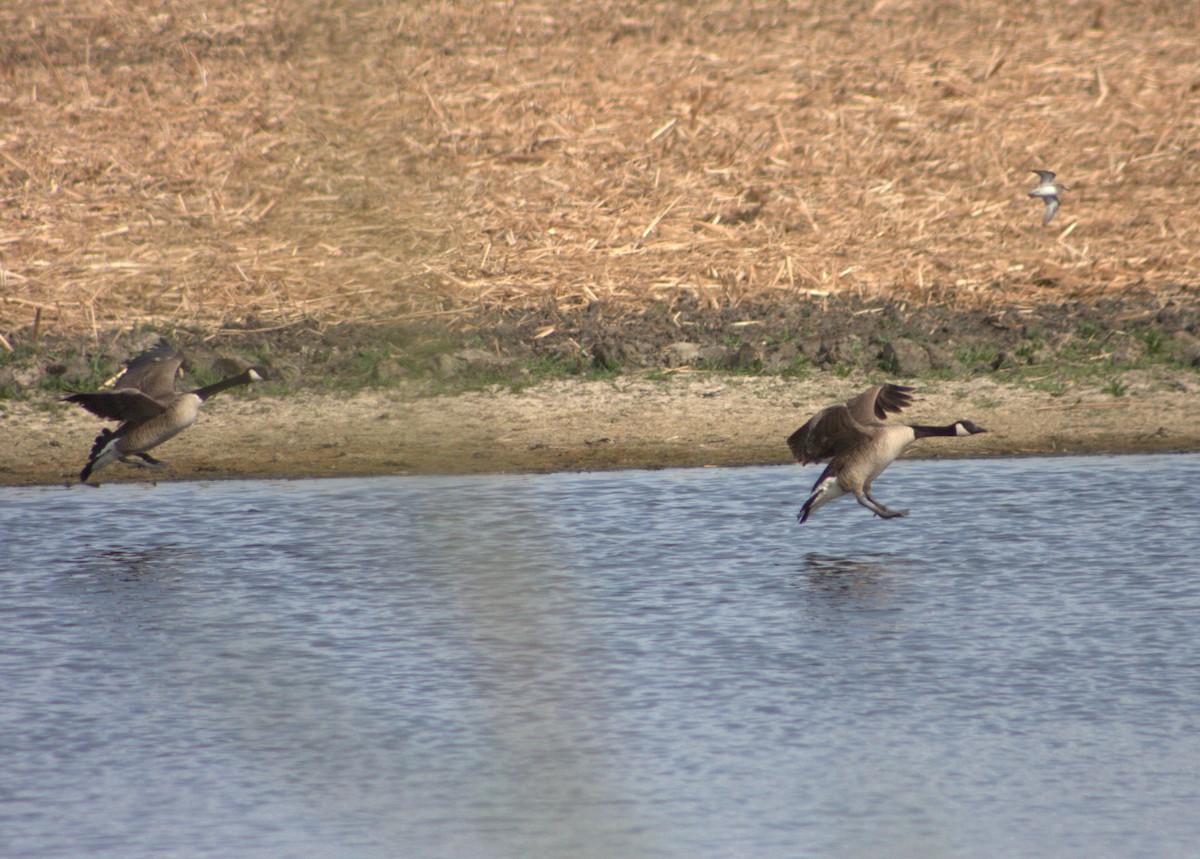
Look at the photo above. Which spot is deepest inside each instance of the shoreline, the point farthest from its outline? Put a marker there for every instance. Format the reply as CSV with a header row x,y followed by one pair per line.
x,y
691,420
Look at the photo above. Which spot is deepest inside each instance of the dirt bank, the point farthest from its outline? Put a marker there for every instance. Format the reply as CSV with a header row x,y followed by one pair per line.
x,y
687,420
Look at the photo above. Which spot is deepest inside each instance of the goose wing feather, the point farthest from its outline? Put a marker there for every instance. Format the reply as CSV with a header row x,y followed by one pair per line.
x,y
837,428
127,405
152,372
876,402
827,433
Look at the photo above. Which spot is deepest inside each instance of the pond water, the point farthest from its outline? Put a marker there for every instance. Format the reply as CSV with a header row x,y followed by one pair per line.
x,y
649,664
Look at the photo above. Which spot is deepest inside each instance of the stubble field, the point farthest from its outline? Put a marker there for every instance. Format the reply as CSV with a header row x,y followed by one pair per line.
x,y
210,162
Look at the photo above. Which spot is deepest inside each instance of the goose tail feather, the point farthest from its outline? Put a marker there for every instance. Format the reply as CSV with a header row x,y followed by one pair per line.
x,y
103,453
825,490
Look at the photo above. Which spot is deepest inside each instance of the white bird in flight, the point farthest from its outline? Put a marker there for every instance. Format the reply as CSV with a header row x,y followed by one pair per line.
x,y
1048,191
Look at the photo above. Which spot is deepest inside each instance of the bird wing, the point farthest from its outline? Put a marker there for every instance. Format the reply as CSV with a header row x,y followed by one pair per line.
x,y
824,433
877,401
127,405
1051,208
1045,175
152,372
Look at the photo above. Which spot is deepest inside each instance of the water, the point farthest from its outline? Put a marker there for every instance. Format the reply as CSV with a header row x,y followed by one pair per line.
x,y
649,664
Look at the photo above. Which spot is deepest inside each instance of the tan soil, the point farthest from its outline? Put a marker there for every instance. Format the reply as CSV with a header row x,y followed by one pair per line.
x,y
690,420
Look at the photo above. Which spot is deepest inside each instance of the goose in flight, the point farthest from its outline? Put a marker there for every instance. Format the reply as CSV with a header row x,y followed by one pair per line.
x,y
150,411
859,445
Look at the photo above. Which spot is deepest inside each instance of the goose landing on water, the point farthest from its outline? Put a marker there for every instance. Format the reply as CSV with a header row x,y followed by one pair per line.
x,y
859,446
144,400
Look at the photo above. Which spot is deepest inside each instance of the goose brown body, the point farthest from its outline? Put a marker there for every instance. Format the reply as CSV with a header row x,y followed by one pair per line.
x,y
859,445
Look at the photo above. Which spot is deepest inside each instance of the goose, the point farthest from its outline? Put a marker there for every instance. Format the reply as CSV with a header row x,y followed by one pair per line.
x,y
144,400
859,446
1048,190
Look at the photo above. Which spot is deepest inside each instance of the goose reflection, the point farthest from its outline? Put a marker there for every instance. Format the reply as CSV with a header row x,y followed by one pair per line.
x,y
130,565
848,582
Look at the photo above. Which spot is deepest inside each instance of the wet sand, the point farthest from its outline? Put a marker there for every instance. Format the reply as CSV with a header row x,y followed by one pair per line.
x,y
630,422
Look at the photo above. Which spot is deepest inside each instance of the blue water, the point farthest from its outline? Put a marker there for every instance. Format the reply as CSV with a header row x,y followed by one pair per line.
x,y
649,664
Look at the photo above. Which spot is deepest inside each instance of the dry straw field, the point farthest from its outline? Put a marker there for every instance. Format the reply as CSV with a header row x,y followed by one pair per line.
x,y
212,163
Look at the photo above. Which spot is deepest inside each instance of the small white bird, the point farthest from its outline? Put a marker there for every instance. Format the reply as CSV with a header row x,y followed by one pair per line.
x,y
1048,191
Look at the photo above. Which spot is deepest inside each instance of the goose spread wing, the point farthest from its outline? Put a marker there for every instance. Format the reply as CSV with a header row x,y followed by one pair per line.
x,y
152,372
826,433
127,405
877,401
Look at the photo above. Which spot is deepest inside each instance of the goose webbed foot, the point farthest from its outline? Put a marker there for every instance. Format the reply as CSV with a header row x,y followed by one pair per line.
x,y
880,510
144,460
888,513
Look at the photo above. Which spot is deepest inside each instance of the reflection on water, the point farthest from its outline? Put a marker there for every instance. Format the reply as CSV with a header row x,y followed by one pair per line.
x,y
841,574
640,664
132,564
839,583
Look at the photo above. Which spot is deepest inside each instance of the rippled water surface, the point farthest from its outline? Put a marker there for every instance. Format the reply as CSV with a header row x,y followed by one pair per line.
x,y
626,664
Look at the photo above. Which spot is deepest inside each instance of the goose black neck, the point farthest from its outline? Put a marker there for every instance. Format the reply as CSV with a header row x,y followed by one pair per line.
x,y
216,387
926,432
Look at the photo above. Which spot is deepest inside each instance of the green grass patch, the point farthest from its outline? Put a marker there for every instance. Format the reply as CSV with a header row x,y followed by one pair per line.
x,y
1114,388
1155,340
972,356
798,368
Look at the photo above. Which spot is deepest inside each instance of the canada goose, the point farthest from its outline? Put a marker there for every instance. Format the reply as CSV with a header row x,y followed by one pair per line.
x,y
1048,190
144,400
859,446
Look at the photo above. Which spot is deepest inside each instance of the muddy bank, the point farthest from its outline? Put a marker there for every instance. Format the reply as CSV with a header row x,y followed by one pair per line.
x,y
685,420
793,336
674,384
